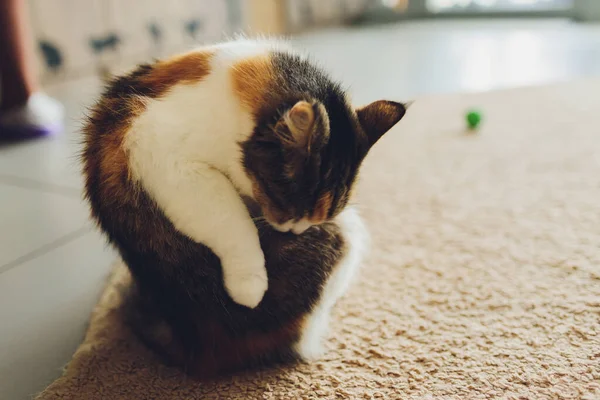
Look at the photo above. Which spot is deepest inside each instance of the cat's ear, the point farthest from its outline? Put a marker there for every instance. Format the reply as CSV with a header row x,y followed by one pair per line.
x,y
379,117
300,120
305,123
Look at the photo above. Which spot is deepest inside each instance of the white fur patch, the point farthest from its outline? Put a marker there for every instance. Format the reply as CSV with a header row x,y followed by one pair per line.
x,y
355,233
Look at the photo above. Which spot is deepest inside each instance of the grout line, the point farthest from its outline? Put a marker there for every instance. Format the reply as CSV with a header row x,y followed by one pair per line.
x,y
46,248
28,183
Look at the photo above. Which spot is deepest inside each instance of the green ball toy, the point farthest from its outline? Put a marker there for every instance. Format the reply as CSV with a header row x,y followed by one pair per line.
x,y
473,119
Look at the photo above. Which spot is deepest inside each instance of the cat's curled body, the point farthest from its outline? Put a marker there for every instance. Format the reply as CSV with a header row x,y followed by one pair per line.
x,y
176,152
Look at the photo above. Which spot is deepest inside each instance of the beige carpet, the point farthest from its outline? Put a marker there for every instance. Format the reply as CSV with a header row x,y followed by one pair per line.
x,y
484,280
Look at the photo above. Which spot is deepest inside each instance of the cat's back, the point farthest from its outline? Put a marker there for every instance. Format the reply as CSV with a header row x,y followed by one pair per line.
x,y
205,98
212,88
207,69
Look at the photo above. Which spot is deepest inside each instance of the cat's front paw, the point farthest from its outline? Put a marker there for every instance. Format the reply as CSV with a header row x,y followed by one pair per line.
x,y
247,288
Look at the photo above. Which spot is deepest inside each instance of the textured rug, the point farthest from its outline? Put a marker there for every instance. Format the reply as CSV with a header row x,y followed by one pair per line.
x,y
483,281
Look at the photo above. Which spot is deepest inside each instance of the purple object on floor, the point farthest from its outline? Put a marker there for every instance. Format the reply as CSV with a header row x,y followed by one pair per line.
x,y
27,132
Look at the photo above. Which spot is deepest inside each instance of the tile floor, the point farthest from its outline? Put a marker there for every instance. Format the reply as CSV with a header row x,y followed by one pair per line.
x,y
52,261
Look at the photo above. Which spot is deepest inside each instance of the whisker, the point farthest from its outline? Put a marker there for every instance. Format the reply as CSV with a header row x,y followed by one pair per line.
x,y
261,222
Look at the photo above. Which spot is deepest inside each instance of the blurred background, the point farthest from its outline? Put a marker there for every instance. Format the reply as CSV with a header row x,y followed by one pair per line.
x,y
429,45
53,263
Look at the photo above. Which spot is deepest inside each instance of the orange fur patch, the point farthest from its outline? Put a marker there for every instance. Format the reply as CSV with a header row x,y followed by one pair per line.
x,y
186,68
322,208
113,160
114,165
252,78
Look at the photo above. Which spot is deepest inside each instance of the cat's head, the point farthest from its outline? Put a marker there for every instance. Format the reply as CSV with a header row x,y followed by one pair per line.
x,y
304,157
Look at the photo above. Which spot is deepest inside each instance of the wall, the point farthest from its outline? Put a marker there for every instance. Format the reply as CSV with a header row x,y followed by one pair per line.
x,y
82,37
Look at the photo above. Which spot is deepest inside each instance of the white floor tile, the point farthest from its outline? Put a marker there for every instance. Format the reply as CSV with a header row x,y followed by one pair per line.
x,y
51,160
31,219
44,308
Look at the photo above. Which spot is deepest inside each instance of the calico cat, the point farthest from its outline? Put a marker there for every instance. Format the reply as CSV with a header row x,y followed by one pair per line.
x,y
216,169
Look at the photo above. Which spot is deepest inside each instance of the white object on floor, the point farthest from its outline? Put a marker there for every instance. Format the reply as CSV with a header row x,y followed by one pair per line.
x,y
40,110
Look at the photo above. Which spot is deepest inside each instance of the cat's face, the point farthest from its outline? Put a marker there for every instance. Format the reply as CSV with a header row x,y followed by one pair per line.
x,y
304,159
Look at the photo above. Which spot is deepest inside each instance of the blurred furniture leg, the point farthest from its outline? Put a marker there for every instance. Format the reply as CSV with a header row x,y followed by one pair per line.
x,y
25,112
18,80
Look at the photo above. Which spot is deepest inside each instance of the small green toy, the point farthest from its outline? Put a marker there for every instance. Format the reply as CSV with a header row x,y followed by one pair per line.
x,y
473,119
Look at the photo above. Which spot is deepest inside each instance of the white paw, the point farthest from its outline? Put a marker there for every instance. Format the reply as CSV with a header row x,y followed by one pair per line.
x,y
247,288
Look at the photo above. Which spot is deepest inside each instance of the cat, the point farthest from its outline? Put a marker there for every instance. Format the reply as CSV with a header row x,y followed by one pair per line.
x,y
218,168
198,329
